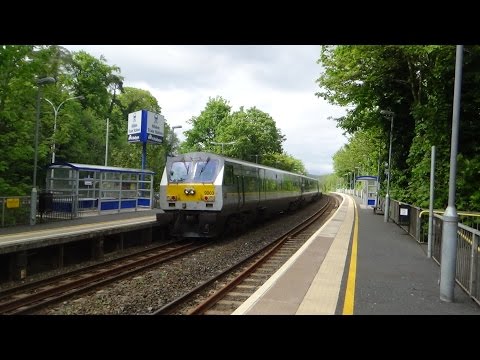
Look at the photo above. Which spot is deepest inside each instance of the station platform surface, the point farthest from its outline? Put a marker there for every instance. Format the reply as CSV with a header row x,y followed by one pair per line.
x,y
105,216
25,236
356,264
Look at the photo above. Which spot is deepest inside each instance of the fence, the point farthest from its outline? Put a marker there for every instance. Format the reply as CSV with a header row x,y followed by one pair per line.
x,y
16,209
468,251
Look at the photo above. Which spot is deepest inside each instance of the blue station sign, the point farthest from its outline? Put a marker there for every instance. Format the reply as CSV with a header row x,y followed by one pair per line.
x,y
146,127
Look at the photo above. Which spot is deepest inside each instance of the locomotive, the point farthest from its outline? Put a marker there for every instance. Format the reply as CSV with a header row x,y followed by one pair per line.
x,y
205,194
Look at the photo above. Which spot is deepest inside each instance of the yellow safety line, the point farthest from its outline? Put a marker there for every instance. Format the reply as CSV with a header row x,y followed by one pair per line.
x,y
352,272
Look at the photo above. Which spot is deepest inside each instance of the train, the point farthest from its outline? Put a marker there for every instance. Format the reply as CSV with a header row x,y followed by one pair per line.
x,y
205,195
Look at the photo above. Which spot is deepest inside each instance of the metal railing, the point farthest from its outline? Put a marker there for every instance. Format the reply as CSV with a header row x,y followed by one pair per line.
x,y
468,251
411,222
15,210
467,272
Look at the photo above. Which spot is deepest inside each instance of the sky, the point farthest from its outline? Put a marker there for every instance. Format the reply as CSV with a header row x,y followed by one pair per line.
x,y
276,79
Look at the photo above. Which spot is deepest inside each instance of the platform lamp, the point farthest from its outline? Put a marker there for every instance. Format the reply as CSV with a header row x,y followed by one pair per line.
x,y
172,137
387,196
33,199
55,113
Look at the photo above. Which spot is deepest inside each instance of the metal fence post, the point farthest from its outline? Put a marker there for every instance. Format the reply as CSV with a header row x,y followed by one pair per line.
x,y
75,200
473,266
418,226
430,206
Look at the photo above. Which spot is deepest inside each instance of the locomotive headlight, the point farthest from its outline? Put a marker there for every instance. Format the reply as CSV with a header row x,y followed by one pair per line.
x,y
189,191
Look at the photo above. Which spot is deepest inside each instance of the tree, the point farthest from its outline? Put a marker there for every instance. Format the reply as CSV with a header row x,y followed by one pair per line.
x,y
416,83
362,152
206,125
20,66
81,136
254,133
285,162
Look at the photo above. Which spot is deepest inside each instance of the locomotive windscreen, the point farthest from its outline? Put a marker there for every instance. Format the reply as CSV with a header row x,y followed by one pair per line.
x,y
180,171
193,171
205,171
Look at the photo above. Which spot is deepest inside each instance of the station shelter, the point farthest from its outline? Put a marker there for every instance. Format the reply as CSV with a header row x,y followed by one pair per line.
x,y
369,193
98,188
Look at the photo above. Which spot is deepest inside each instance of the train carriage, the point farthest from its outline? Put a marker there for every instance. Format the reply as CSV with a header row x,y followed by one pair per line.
x,y
207,193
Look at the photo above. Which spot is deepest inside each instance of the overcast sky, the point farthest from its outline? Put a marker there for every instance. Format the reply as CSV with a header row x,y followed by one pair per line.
x,y
277,79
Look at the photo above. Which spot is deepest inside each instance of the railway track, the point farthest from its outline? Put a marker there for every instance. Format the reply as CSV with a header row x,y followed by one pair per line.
x,y
225,292
33,296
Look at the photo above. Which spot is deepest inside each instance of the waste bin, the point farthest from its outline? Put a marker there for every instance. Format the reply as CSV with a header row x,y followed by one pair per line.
x,y
403,214
45,202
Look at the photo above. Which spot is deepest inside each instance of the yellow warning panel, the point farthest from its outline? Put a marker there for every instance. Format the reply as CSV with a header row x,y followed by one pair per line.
x,y
13,203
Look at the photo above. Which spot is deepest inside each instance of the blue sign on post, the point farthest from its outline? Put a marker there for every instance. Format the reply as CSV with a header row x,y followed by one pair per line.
x,y
146,127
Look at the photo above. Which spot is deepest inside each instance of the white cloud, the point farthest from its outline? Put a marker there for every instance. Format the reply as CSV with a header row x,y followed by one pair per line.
x,y
279,80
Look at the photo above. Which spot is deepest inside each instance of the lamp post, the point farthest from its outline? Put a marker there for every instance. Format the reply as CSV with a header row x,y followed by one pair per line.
x,y
33,199
387,196
223,143
347,181
450,217
172,137
106,141
55,111
355,173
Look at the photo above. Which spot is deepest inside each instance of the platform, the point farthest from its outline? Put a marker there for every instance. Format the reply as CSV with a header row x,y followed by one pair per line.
x,y
357,264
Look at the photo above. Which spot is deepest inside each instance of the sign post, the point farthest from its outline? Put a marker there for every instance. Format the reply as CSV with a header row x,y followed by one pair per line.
x,y
146,127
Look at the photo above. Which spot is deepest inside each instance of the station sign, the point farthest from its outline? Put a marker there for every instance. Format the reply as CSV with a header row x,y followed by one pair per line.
x,y
146,127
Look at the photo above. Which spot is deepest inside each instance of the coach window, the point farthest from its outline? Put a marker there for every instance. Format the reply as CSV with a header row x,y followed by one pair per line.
x,y
228,178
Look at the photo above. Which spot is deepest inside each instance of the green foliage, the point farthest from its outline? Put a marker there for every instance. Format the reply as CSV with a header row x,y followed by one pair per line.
x,y
93,78
285,162
19,68
254,133
329,182
416,84
206,126
360,155
81,123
